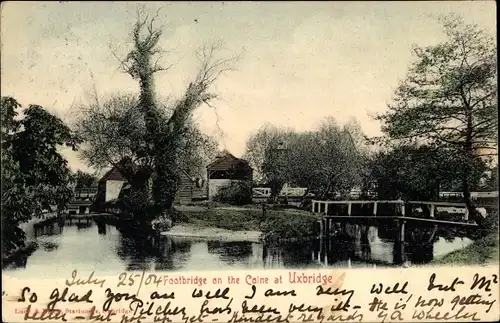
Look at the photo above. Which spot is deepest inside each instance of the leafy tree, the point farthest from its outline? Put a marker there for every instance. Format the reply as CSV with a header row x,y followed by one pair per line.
x,y
414,172
276,168
327,160
266,150
338,157
35,177
490,180
83,180
448,99
258,146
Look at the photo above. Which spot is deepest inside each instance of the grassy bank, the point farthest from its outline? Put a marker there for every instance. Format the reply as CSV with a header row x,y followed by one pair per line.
x,y
275,224
482,251
221,218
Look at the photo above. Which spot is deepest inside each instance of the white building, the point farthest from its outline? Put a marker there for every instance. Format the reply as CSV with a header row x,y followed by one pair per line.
x,y
225,170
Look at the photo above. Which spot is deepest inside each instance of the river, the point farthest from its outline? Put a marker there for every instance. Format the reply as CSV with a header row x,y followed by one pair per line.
x,y
103,248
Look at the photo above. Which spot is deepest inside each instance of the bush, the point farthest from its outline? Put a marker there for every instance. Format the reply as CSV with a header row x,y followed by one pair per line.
x,y
237,193
180,217
491,221
161,224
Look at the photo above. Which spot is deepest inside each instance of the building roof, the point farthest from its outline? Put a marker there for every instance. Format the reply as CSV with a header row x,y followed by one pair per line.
x,y
229,162
114,174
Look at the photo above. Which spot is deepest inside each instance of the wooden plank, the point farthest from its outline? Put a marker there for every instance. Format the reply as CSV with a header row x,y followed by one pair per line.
x,y
362,202
437,203
364,217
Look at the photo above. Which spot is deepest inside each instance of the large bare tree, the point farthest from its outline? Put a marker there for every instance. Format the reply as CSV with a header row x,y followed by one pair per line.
x,y
114,130
158,149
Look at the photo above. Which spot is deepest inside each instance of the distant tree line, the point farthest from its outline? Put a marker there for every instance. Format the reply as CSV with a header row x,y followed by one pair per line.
x,y
326,160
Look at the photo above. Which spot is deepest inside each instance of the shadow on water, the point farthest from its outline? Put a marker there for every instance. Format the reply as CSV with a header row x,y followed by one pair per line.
x,y
151,253
230,251
350,245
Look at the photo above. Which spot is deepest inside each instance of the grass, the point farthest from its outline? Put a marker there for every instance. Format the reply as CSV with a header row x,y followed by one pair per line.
x,y
276,224
481,251
224,219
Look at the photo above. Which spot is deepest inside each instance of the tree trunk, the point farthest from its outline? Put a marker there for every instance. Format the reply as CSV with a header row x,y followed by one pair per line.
x,y
275,191
165,185
138,201
468,152
471,208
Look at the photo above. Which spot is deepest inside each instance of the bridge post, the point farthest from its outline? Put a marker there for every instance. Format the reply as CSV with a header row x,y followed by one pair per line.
x,y
326,208
402,232
312,206
466,214
400,245
349,208
433,211
374,208
403,209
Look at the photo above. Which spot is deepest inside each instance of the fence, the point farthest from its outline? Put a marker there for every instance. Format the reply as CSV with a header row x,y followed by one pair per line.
x,y
286,191
473,195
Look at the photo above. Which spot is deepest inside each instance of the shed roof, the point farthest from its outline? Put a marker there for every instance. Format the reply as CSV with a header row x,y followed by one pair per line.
x,y
229,162
114,174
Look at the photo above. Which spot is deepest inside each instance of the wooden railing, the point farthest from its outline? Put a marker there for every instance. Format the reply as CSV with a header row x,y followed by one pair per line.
x,y
397,207
261,192
322,207
473,195
434,205
286,191
293,191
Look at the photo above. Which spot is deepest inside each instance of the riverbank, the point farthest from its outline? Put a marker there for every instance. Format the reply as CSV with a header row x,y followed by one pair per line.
x,y
190,231
20,254
247,223
482,251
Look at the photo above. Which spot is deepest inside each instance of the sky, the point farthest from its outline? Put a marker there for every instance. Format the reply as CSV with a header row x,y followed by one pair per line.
x,y
300,62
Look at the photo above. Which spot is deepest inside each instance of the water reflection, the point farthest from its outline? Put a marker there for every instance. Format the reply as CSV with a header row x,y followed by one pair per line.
x,y
102,247
230,251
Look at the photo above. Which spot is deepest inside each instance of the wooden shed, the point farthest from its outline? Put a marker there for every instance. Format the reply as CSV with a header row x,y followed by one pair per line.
x,y
190,189
113,186
225,170
110,185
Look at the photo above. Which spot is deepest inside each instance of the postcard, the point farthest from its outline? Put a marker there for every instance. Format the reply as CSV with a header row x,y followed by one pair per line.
x,y
249,162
